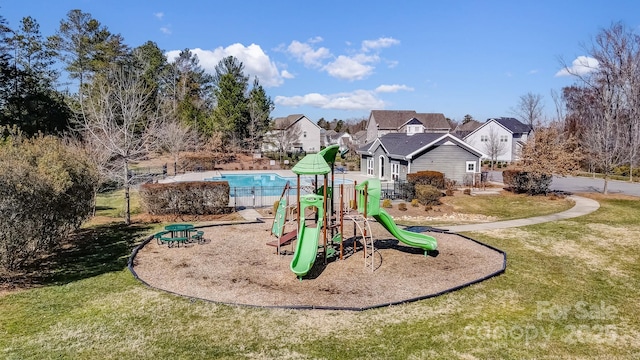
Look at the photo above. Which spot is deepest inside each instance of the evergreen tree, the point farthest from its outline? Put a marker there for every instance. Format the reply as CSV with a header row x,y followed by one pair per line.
x,y
85,46
33,102
186,89
231,113
260,106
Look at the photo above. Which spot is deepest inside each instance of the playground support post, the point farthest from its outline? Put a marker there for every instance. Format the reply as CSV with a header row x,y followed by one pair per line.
x,y
324,220
341,219
366,194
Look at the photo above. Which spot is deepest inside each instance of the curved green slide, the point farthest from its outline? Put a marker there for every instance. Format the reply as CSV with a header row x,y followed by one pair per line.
x,y
373,187
422,241
307,246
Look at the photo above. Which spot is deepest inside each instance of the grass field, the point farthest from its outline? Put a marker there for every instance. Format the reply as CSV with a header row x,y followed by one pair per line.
x,y
570,291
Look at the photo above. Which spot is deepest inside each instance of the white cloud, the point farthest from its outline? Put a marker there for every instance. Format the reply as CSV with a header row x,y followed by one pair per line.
x,y
356,100
159,15
287,75
351,68
379,43
534,71
392,88
165,30
255,61
307,54
582,65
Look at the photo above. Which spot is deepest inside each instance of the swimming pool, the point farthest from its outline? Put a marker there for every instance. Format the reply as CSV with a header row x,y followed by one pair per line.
x,y
269,180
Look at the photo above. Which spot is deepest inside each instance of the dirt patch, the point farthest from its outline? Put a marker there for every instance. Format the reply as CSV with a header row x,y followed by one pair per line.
x,y
235,265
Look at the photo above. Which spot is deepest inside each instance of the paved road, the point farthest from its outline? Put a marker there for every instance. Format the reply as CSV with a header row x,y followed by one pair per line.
x,y
583,184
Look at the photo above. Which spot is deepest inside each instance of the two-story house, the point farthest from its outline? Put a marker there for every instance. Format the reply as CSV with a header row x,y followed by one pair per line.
x,y
501,138
293,133
382,122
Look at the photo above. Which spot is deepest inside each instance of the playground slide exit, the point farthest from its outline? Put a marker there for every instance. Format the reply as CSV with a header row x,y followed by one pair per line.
x,y
422,241
307,246
373,188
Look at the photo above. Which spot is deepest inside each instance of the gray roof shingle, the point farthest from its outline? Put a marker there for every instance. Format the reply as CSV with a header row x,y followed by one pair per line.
x,y
514,125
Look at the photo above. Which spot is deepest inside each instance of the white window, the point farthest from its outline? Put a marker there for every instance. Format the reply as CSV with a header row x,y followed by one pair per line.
x,y
395,171
471,166
484,138
504,138
370,166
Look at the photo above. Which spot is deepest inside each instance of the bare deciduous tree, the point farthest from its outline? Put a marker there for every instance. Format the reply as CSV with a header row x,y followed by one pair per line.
x,y
118,119
493,146
176,138
284,136
529,109
606,130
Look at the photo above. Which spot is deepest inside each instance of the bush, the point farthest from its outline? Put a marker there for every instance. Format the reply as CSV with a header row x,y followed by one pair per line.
x,y
519,181
449,192
402,207
204,162
194,198
467,191
433,178
415,203
46,191
386,203
428,195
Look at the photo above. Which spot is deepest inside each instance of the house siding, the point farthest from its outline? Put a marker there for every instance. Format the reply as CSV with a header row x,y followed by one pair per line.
x,y
372,130
447,159
379,151
474,140
311,143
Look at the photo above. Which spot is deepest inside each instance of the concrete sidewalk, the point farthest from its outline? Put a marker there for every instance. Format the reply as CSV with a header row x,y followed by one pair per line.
x,y
583,206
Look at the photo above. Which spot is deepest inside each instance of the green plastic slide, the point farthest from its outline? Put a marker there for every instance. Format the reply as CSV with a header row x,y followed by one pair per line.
x,y
281,215
307,246
373,187
422,241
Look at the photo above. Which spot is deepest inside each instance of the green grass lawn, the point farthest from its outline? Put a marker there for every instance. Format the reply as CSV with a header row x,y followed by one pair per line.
x,y
570,291
111,204
505,207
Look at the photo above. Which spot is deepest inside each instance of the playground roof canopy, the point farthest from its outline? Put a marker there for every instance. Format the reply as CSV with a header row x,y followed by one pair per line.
x,y
329,153
312,164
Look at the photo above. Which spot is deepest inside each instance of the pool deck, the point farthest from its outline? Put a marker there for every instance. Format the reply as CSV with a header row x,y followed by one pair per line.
x,y
201,176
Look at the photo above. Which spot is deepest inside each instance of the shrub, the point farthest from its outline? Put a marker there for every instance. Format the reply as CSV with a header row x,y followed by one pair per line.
x,y
402,207
194,198
386,203
519,181
433,178
428,195
449,192
467,191
203,162
415,203
46,191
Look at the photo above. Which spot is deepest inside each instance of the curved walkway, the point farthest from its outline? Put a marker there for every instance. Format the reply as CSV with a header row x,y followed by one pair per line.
x,y
583,206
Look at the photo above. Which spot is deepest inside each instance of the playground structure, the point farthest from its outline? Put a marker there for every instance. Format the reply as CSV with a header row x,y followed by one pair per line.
x,y
365,204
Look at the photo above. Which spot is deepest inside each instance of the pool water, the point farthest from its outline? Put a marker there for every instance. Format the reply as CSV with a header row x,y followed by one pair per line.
x,y
268,180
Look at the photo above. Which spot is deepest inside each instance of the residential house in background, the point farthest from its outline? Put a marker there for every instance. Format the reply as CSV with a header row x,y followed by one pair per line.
x,y
465,129
505,134
293,133
394,155
382,122
360,138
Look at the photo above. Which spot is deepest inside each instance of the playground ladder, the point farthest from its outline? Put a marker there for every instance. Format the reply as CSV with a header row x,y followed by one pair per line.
x,y
369,248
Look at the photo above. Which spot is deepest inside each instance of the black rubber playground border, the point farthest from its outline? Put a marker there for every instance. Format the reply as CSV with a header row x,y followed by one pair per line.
x,y
130,265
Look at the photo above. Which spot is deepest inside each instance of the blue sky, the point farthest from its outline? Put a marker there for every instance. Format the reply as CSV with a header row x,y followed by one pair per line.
x,y
341,59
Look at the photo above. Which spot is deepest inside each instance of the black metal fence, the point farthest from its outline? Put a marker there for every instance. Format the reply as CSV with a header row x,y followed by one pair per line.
x,y
266,196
